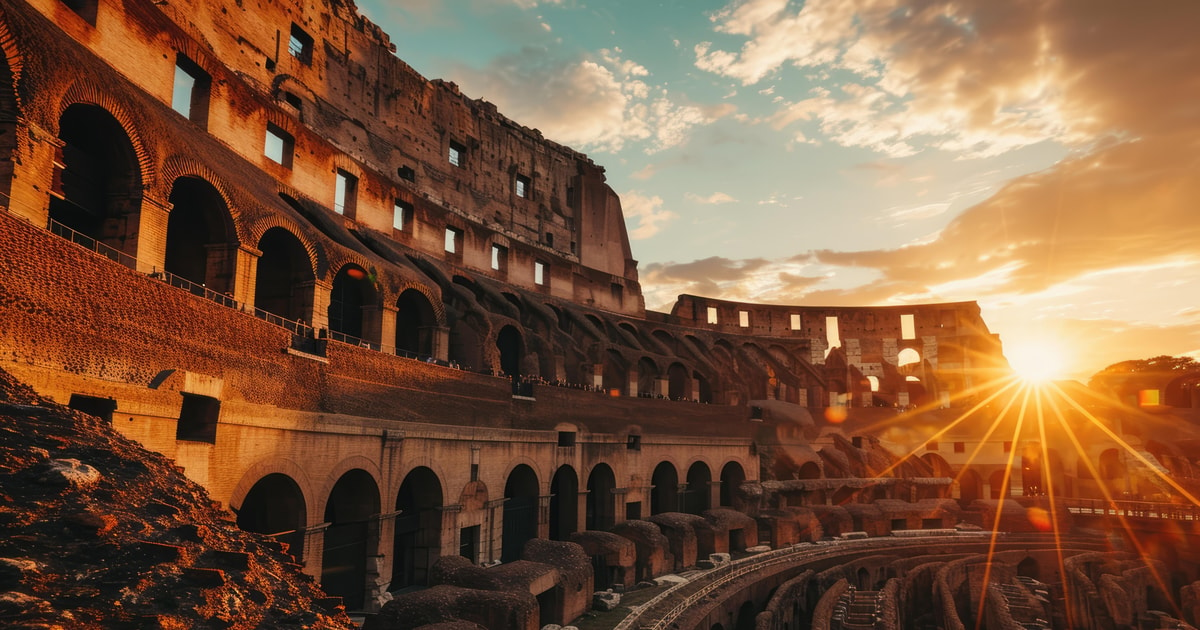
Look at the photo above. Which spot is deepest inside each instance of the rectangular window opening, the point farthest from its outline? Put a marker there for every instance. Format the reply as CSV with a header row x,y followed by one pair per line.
x,y
539,273
468,543
712,315
345,193
960,447
457,154
102,408
191,92
744,319
400,214
549,239
521,187
499,257
908,327
453,241
633,442
279,145
300,45
198,419
566,438
795,321
833,337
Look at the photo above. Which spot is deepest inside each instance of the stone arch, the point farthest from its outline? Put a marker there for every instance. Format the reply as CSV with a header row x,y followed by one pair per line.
x,y
616,372
350,304
11,65
679,383
201,243
970,487
999,489
696,498
275,505
564,503
102,180
510,344
284,276
521,490
418,527
85,93
177,166
416,324
666,339
732,476
809,470
601,502
664,495
351,509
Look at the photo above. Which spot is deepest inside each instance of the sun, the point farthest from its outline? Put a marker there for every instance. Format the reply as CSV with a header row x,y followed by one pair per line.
x,y
1036,362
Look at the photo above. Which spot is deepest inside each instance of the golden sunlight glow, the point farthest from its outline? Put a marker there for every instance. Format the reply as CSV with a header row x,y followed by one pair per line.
x,y
1036,362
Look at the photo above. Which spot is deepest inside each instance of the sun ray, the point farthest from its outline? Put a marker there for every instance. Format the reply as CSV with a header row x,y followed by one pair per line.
x,y
1004,484
1050,492
999,419
1106,491
961,418
1152,466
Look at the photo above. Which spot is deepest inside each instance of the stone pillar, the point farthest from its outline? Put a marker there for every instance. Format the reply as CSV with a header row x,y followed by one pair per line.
x,y
379,326
493,530
598,375
440,342
620,498
314,549
148,243
714,494
33,174
633,384
543,516
245,276
695,390
387,552
663,387
581,503
315,298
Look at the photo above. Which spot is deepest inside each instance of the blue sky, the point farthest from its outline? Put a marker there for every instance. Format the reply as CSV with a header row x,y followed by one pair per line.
x,y
1040,157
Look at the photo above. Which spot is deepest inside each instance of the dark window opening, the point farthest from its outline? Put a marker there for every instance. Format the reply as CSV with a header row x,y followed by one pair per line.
x,y
474,472
300,45
291,99
931,523
633,510
406,173
756,412
102,408
856,441
633,443
960,447
1007,447
931,446
85,9
899,523
468,543
198,419
549,239
566,438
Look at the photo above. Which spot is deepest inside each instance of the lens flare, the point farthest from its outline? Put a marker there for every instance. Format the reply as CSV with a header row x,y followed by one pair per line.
x,y
1036,361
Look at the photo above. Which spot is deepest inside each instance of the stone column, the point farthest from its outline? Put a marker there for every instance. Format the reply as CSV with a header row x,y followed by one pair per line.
x,y
149,242
245,276
543,516
439,341
314,549
494,530
598,375
620,496
315,298
633,384
663,386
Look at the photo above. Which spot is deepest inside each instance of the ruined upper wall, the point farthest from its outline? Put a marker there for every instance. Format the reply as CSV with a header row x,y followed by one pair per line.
x,y
350,105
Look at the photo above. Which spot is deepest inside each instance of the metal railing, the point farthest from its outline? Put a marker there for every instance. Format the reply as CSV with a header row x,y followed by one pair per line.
x,y
1134,509
92,244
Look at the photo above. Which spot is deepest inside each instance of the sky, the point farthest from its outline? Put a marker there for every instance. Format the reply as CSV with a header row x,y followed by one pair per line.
x,y
1040,157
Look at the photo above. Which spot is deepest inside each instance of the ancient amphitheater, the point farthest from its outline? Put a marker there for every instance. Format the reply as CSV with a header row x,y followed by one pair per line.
x,y
383,323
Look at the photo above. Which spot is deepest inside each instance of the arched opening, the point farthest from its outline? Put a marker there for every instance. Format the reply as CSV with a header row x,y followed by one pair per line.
x,y
275,505
512,350
732,477
999,486
1113,473
668,342
938,467
601,502
99,193
418,528
863,579
647,377
416,324
970,487
679,386
201,246
352,291
1029,568
699,484
283,283
564,503
520,511
664,497
809,470
908,360
351,537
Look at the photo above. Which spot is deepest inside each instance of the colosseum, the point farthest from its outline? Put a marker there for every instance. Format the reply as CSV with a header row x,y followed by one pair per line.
x,y
386,325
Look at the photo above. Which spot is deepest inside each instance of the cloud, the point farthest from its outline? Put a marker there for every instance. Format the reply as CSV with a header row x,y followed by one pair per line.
x,y
649,213
713,199
973,76
600,102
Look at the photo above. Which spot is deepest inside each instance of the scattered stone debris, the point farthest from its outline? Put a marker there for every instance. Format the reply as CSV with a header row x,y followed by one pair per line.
x,y
606,600
97,532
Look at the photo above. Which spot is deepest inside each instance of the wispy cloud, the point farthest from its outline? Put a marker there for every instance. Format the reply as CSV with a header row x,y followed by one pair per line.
x,y
649,213
713,199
